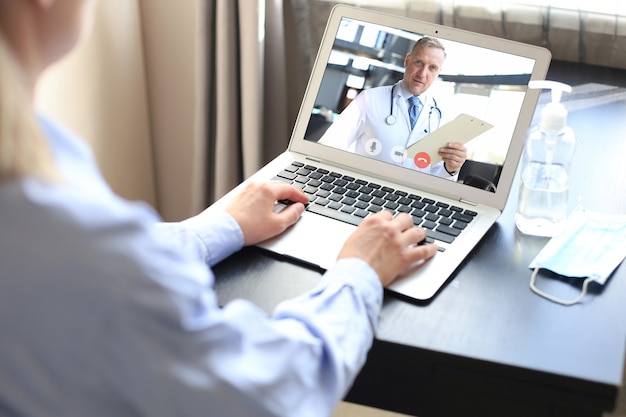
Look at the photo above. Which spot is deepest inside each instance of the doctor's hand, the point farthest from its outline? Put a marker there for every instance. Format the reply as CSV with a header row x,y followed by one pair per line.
x,y
387,244
453,155
253,209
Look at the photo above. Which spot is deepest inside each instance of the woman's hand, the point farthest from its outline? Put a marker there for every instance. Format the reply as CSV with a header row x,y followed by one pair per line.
x,y
253,209
388,244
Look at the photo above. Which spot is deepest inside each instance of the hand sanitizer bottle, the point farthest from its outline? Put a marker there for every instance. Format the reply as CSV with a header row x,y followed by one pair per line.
x,y
545,170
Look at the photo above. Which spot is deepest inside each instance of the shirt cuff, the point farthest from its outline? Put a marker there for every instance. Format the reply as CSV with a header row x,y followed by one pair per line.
x,y
219,233
357,274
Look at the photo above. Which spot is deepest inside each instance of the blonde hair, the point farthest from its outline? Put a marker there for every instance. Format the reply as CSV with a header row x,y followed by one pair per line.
x,y
24,151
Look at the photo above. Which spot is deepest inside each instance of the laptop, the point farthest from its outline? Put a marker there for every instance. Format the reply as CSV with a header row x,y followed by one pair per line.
x,y
484,81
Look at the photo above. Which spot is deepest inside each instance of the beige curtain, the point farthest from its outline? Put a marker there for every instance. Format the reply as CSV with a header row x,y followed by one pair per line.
x,y
254,87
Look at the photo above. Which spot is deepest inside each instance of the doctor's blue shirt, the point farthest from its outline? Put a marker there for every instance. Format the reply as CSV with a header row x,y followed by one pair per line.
x,y
107,311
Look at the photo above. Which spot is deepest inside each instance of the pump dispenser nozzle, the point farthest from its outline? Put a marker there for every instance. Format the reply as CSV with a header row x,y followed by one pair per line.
x,y
554,114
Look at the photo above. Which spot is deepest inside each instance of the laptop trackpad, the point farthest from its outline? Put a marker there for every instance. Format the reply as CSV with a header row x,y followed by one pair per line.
x,y
314,239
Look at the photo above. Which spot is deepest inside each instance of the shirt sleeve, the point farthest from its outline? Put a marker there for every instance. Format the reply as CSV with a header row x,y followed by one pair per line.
x,y
298,361
212,237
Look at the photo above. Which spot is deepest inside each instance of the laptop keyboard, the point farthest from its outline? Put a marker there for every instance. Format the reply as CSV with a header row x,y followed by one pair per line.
x,y
350,200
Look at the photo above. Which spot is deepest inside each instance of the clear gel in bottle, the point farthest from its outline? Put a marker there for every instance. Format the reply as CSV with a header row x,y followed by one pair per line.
x,y
545,170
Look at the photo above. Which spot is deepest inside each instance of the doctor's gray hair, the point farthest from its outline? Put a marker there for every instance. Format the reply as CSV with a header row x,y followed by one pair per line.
x,y
24,150
428,42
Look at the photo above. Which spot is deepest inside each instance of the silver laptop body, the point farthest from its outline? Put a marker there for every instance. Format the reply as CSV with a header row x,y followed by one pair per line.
x,y
483,76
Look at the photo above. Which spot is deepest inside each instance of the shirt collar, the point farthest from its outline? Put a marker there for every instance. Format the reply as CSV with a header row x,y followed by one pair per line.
x,y
406,94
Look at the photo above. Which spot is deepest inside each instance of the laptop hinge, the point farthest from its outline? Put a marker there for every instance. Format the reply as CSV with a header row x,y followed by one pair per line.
x,y
471,203
312,159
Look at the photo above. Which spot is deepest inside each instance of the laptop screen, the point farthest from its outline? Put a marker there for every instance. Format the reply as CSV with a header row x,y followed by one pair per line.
x,y
475,99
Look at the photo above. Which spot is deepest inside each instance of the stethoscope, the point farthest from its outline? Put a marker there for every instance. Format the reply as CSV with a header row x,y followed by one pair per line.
x,y
391,119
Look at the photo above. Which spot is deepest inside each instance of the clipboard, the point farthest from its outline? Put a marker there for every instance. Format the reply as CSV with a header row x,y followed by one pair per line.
x,y
460,130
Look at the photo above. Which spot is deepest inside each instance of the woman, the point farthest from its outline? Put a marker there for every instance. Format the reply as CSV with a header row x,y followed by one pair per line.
x,y
106,311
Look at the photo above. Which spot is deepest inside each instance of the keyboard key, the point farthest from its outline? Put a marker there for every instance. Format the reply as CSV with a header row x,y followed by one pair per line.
x,y
462,217
418,213
321,201
440,236
448,230
334,205
287,175
348,201
361,213
432,217
378,201
459,225
392,197
303,171
429,224
445,221
445,212
391,205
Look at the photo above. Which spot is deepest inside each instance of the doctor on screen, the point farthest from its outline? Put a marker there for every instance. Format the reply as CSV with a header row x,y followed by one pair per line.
x,y
382,122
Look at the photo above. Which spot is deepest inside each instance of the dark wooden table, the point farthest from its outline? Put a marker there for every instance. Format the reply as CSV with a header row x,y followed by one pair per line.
x,y
485,345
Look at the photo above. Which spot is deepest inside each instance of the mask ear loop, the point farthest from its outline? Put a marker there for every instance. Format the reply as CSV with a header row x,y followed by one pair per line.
x,y
576,300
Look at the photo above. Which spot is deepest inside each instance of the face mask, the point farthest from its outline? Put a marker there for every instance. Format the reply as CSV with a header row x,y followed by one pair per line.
x,y
590,247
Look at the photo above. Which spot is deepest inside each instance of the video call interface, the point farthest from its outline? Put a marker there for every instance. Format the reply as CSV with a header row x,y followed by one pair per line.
x,y
482,83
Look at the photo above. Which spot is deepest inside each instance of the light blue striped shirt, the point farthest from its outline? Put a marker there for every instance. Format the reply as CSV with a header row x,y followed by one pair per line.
x,y
102,313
